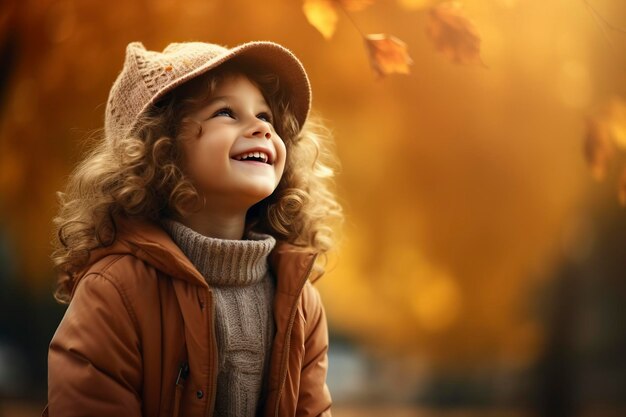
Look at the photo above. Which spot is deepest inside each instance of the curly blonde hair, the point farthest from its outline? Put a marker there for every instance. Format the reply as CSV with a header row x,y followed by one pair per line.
x,y
142,176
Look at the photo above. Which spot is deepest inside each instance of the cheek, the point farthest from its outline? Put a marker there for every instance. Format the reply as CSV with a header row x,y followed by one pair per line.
x,y
281,152
205,154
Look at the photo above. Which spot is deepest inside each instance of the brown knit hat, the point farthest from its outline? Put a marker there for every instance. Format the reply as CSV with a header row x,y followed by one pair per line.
x,y
148,75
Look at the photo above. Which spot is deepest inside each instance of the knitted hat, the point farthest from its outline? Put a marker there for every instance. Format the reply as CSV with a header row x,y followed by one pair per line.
x,y
148,75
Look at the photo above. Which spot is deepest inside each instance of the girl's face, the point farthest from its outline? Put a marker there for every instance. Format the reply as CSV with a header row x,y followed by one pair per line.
x,y
238,159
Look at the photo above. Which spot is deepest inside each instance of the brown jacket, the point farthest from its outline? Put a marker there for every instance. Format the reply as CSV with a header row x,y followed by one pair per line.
x,y
138,337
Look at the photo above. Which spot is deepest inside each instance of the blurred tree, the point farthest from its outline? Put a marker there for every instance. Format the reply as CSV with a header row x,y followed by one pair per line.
x,y
460,182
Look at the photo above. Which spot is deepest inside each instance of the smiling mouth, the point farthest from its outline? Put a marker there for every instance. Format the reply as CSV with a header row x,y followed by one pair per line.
x,y
261,157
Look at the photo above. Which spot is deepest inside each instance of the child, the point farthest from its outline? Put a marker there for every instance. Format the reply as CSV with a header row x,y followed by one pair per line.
x,y
187,241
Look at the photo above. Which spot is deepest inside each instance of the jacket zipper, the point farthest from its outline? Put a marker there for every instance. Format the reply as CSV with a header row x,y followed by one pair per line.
x,y
292,317
183,372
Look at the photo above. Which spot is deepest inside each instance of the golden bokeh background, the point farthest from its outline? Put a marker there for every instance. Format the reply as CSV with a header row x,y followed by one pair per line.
x,y
471,211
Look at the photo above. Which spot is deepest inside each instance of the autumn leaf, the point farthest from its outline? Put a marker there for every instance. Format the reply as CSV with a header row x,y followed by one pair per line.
x,y
598,148
453,34
322,15
387,54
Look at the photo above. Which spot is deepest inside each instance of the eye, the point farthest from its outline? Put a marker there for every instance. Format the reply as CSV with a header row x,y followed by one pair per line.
x,y
266,117
225,111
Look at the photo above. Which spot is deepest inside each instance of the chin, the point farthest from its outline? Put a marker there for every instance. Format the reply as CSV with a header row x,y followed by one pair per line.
x,y
259,193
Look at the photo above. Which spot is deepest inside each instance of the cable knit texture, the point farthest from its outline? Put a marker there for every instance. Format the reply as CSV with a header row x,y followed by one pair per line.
x,y
243,290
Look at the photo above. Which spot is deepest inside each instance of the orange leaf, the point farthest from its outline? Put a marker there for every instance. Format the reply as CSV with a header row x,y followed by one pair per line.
x,y
387,54
598,148
453,34
322,15
621,191
355,5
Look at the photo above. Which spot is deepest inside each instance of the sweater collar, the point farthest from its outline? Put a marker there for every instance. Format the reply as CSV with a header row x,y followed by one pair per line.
x,y
223,262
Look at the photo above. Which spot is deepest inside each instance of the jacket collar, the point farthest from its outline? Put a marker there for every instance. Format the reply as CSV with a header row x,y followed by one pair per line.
x,y
150,243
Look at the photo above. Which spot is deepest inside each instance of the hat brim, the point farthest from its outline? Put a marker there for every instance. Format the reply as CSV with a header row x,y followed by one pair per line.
x,y
268,56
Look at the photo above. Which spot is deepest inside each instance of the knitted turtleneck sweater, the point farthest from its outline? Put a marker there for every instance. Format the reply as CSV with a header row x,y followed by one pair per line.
x,y
237,272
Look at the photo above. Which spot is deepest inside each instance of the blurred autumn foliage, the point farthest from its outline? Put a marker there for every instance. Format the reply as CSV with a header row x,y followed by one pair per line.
x,y
451,32
605,144
466,186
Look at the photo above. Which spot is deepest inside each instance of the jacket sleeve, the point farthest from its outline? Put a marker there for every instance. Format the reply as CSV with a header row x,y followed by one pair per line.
x,y
94,361
314,396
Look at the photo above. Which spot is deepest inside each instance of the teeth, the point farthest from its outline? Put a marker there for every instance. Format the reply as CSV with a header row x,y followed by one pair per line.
x,y
261,155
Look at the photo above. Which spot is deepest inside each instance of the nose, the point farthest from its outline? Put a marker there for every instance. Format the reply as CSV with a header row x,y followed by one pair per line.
x,y
260,129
